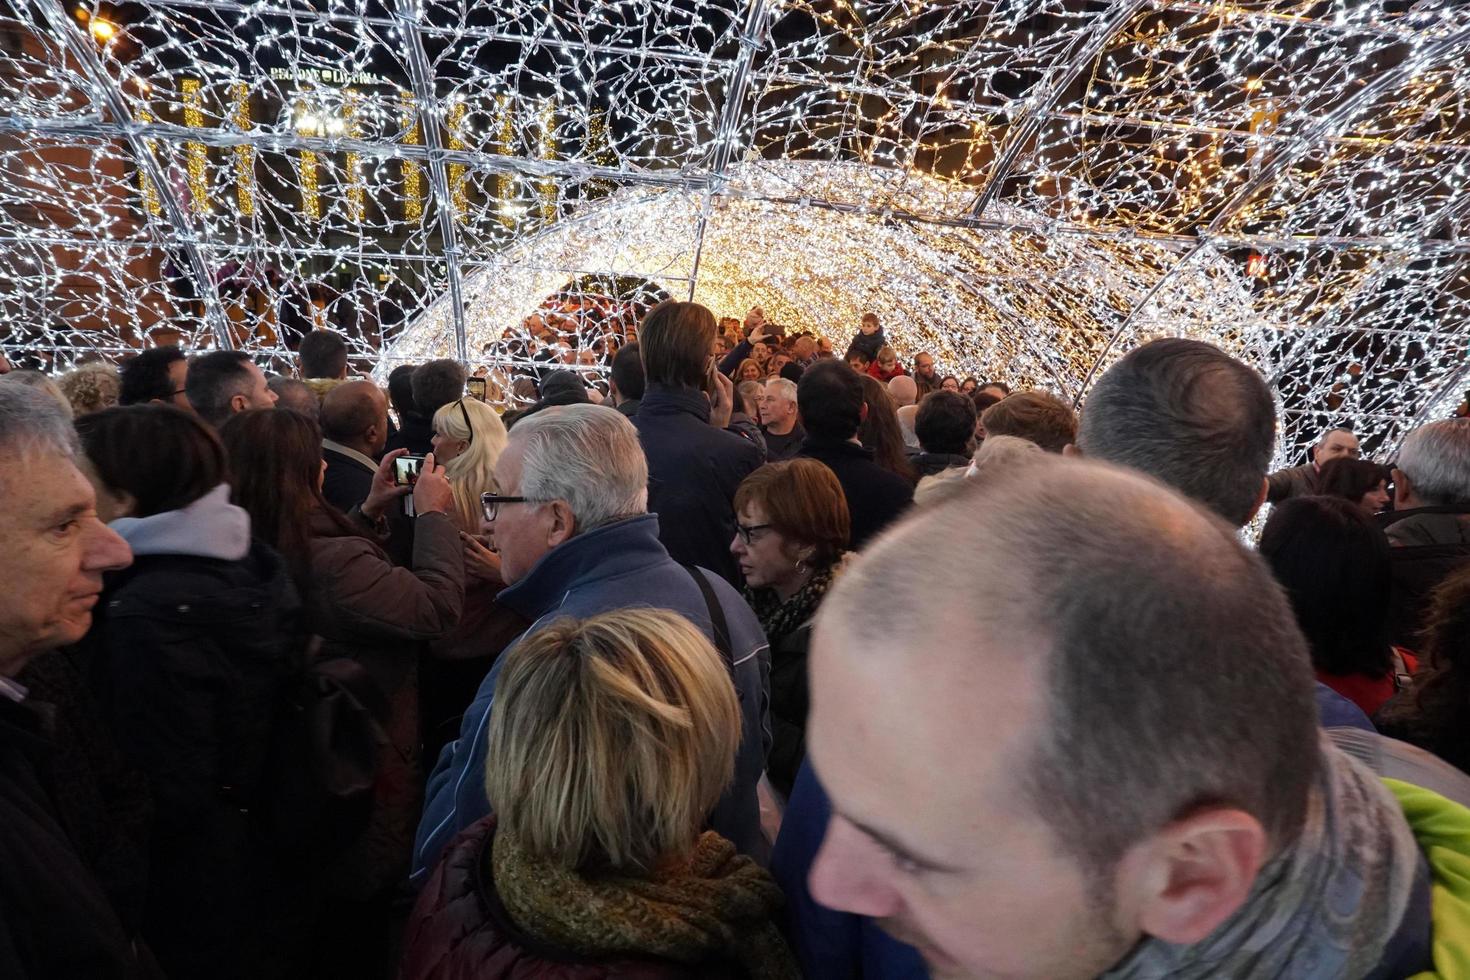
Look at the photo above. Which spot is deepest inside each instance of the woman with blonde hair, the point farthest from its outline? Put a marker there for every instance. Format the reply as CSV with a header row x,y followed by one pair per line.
x,y
468,440
610,740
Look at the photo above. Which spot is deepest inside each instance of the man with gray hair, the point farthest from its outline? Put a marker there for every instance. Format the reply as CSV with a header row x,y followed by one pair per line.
x,y
573,537
1146,794
783,429
1337,442
55,919
1429,528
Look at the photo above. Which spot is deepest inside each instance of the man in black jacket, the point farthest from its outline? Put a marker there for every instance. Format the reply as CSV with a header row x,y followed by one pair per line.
x,y
55,920
830,397
354,431
694,465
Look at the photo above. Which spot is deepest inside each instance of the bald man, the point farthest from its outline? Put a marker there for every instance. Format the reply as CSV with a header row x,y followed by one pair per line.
x,y
354,430
1143,792
903,390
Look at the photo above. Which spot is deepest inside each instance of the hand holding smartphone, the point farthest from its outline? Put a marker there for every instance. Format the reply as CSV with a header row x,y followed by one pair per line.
x,y
406,474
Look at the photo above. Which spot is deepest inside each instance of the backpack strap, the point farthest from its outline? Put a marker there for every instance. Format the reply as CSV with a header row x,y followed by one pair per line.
x,y
716,617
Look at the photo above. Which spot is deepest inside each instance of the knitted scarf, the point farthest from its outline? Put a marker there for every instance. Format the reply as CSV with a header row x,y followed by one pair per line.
x,y
781,618
1325,907
719,905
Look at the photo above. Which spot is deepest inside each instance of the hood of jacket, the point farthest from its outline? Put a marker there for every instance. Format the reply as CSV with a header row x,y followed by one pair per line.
x,y
210,527
613,549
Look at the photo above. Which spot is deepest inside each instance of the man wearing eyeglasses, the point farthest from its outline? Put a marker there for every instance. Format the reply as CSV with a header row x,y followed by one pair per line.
x,y
574,538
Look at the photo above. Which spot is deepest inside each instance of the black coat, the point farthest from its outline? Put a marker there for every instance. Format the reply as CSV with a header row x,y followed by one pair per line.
x,y
347,482
930,464
415,433
55,921
192,658
875,497
790,701
1428,544
693,471
784,447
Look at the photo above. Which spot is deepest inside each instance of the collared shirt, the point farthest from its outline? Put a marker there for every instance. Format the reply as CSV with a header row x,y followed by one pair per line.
x,y
350,453
15,692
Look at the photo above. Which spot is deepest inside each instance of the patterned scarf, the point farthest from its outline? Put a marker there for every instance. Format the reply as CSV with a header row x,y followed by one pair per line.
x,y
1326,907
719,905
778,618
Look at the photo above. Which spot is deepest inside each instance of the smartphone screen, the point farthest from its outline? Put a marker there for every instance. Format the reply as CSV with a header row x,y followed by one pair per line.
x,y
476,388
406,470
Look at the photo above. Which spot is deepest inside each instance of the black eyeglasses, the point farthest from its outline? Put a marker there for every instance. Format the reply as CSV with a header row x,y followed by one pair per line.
x,y
490,503
746,530
469,428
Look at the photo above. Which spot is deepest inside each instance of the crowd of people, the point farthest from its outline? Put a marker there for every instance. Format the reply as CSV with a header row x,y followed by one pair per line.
x,y
767,662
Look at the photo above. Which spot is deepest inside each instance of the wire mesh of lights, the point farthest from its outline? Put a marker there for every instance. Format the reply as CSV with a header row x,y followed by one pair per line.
x,y
1025,189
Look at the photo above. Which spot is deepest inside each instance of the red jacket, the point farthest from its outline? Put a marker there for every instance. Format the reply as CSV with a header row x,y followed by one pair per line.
x,y
459,930
885,376
1368,693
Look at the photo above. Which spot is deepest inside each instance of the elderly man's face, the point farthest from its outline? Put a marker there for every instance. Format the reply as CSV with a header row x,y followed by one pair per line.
x,y
1337,445
971,876
55,551
776,407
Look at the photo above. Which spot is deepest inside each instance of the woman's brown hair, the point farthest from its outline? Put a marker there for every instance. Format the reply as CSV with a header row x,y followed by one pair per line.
x,y
677,341
275,465
880,431
804,502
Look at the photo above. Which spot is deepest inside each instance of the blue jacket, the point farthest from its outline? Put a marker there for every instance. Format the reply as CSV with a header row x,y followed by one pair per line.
x,y
616,566
693,470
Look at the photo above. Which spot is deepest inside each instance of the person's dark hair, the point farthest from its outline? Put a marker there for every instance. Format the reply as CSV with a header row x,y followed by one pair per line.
x,y
945,423
1351,478
1111,578
1436,716
323,354
163,457
213,380
275,461
995,384
145,376
436,384
830,399
400,388
676,342
1190,415
1034,415
1333,561
804,501
792,372
880,430
627,372
983,399
294,395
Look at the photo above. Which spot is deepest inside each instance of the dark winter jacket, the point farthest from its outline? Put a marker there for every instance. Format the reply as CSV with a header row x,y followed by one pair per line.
x,y
784,447
55,921
875,497
693,471
460,930
1427,544
616,566
366,608
349,477
748,429
867,344
192,649
790,702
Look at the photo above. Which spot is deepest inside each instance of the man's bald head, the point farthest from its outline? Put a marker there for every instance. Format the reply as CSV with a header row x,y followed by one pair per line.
x,y
356,414
903,390
1169,664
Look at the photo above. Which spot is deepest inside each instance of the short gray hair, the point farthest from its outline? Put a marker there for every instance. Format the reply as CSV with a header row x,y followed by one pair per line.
x,y
1436,459
587,455
783,386
31,422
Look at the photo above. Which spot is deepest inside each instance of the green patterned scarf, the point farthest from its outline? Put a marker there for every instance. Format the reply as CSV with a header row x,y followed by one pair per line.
x,y
718,905
778,618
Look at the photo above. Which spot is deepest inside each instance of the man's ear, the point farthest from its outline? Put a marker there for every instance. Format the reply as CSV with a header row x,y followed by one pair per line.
x,y
238,403
1260,499
1195,873
1070,449
1402,488
563,522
